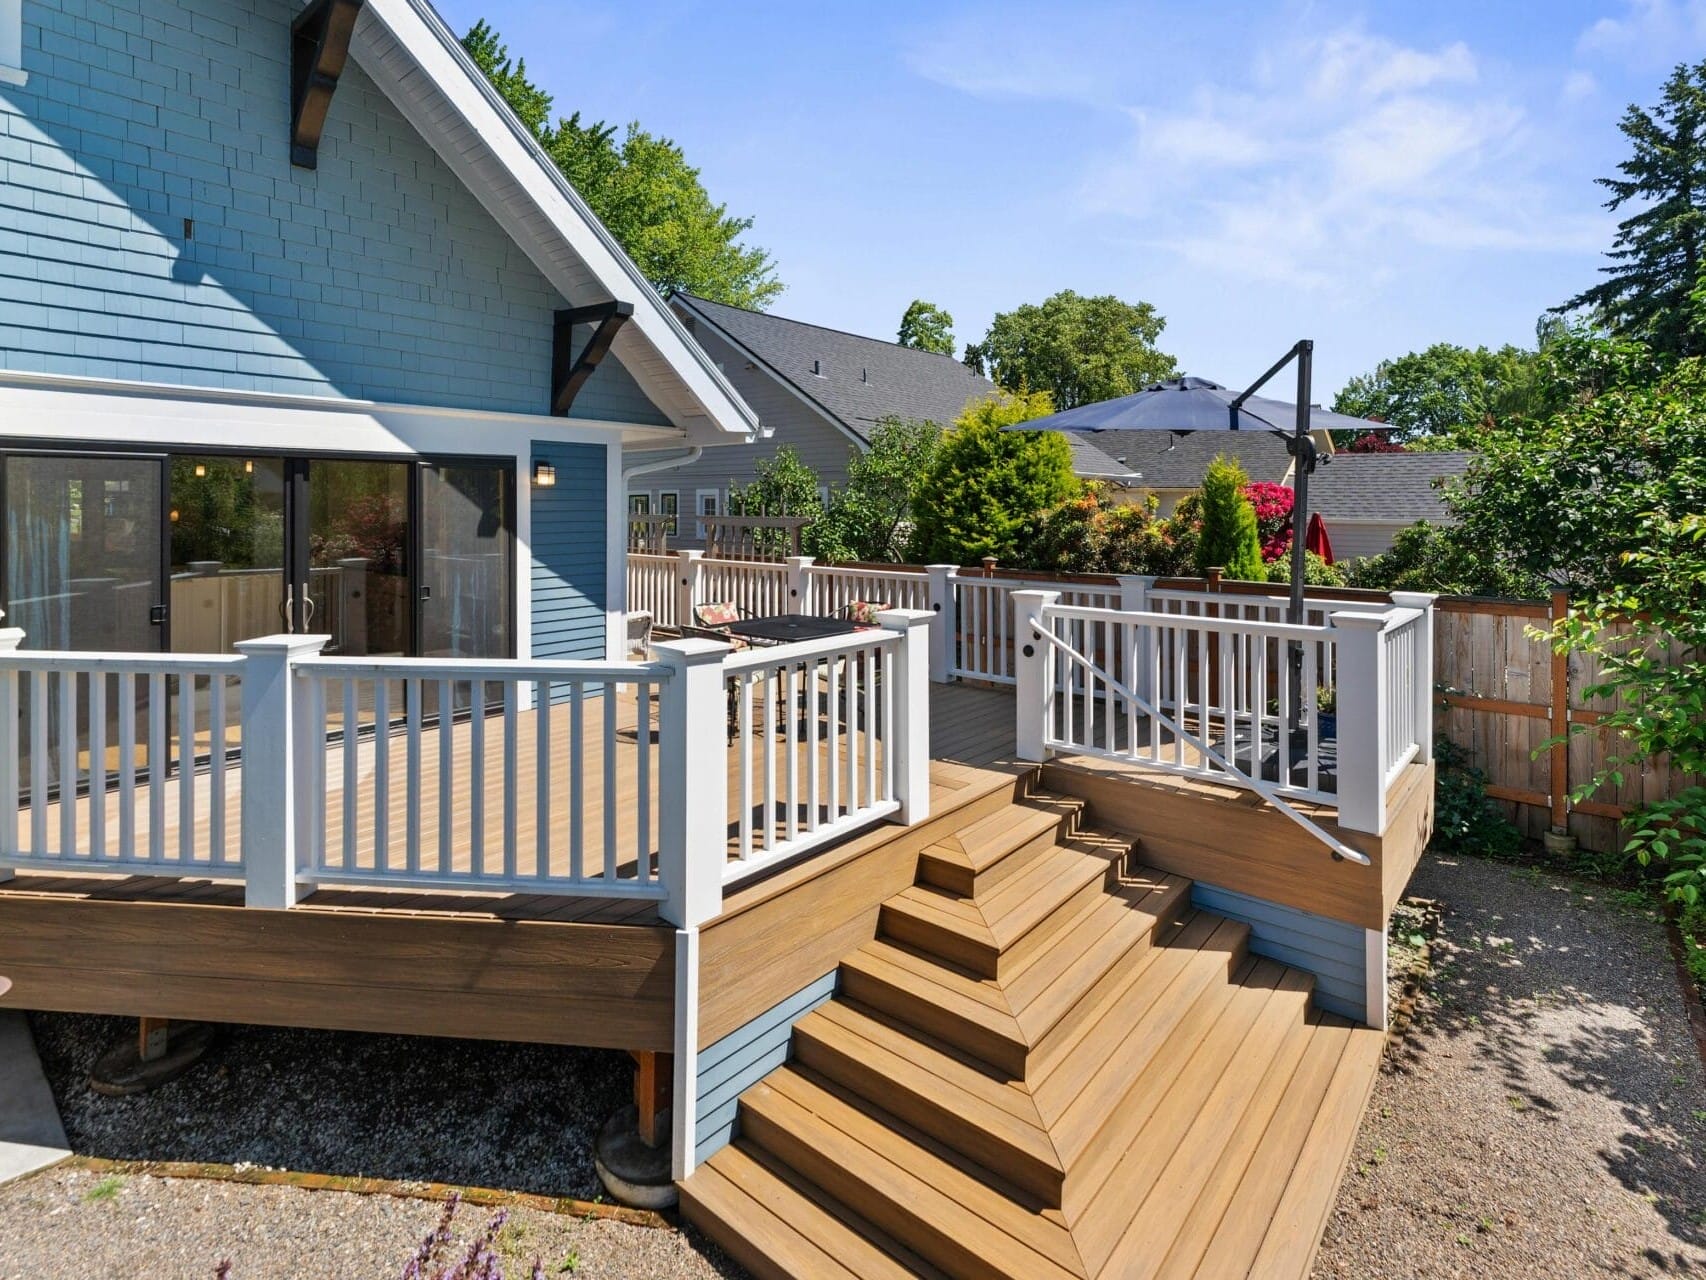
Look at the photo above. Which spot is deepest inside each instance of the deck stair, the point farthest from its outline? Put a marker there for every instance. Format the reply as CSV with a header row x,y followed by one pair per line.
x,y
1046,1065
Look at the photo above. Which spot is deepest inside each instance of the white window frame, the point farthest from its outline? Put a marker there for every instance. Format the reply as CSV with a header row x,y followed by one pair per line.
x,y
699,509
12,43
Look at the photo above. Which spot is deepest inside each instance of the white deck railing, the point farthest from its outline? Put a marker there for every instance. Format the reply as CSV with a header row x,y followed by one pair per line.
x,y
654,587
833,589
1236,700
823,738
483,775
118,762
289,769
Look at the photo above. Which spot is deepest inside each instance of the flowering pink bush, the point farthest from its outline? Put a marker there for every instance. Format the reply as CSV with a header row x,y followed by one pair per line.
x,y
1273,503
1374,442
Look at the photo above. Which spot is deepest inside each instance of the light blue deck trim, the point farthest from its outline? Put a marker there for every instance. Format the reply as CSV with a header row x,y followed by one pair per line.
x,y
1332,950
744,1057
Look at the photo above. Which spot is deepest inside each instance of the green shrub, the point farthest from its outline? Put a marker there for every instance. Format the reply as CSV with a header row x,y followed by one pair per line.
x,y
1316,571
1229,540
1466,821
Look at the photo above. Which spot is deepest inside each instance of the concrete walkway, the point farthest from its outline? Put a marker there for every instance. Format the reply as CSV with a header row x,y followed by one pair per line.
x,y
31,1135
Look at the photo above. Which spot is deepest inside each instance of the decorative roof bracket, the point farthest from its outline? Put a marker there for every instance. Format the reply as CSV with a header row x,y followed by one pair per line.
x,y
319,48
570,372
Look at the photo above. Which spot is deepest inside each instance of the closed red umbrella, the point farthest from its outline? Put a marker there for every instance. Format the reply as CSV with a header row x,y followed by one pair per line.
x,y
1316,540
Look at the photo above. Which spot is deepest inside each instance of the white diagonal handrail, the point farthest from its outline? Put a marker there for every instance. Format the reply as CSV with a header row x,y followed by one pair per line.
x,y
1338,847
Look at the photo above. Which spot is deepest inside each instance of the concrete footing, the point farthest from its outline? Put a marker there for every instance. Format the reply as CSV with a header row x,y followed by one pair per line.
x,y
631,1171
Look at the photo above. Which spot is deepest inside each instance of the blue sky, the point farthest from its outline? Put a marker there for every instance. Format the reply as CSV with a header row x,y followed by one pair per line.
x,y
1376,177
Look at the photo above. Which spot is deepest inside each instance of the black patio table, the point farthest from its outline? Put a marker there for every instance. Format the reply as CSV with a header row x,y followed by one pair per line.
x,y
791,628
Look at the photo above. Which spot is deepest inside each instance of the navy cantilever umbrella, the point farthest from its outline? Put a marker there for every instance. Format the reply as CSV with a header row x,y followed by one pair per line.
x,y
1183,405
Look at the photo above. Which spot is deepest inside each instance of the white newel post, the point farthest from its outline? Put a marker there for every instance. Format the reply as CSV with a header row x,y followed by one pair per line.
x,y
1424,690
1361,720
910,734
277,755
10,639
943,621
1134,598
1032,659
692,780
687,587
799,584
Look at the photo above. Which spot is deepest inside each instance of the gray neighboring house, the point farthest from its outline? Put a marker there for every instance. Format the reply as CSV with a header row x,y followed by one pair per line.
x,y
1366,498
819,391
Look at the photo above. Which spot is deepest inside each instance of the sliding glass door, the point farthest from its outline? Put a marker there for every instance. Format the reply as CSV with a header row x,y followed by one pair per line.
x,y
228,550
359,561
467,588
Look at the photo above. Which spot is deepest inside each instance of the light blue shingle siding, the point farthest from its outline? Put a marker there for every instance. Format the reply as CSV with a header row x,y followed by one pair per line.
x,y
377,276
568,542
1330,949
745,1056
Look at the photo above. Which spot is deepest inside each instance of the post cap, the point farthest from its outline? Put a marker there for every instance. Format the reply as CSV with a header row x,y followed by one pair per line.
x,y
1357,620
901,619
691,651
286,643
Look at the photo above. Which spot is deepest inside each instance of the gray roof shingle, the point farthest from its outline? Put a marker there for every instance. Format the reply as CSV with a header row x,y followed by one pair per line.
x,y
1170,461
1396,487
858,380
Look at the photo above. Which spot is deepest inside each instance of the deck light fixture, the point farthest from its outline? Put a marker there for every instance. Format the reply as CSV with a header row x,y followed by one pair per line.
x,y
200,470
544,475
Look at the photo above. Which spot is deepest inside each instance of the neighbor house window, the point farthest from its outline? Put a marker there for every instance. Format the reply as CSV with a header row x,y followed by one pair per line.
x,y
669,504
639,504
706,501
12,42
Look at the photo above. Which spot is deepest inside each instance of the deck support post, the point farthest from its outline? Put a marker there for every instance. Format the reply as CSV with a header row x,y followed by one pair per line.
x,y
1424,690
277,754
687,587
153,1037
654,1084
1361,657
693,779
10,639
1031,662
945,623
910,733
799,584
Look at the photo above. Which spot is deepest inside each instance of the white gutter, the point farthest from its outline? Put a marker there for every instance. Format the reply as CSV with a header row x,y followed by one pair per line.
x,y
664,464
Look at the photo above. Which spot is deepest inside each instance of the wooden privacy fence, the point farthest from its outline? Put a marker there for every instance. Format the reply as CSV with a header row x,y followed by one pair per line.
x,y
1503,694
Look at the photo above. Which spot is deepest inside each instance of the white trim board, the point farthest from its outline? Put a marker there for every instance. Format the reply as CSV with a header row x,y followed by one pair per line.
x,y
39,409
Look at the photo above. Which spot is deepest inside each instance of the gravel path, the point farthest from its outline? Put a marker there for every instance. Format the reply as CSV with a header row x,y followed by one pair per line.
x,y
1546,1115
80,1226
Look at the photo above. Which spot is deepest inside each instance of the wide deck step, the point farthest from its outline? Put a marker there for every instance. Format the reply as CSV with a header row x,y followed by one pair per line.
x,y
1050,1067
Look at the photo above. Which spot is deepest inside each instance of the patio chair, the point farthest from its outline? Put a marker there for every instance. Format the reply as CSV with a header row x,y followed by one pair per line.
x,y
712,622
863,613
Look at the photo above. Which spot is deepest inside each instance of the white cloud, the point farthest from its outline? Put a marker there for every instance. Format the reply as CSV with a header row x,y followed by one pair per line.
x,y
1579,86
1649,33
1340,179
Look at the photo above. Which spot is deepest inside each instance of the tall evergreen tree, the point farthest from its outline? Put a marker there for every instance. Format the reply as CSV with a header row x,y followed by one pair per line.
x,y
1658,255
642,189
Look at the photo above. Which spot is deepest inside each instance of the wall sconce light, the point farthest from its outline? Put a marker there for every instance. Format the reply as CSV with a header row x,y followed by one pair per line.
x,y
544,475
248,466
200,470
173,515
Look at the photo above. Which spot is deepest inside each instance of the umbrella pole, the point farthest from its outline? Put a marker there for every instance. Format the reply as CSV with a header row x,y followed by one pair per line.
x,y
1303,464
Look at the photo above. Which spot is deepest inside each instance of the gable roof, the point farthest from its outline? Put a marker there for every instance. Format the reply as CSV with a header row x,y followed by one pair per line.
x,y
1167,460
419,64
1396,487
855,380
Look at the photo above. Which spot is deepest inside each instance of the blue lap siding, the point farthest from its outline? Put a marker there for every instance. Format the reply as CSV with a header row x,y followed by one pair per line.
x,y
570,591
1330,949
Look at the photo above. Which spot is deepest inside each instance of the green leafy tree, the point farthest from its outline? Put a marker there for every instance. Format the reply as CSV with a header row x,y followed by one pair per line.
x,y
871,517
1430,557
1443,395
641,187
785,485
1078,349
1229,540
1657,257
987,488
928,328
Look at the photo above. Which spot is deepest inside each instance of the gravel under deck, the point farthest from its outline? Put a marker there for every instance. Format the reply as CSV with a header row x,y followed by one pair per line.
x,y
1546,1115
